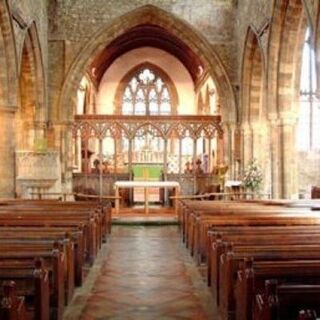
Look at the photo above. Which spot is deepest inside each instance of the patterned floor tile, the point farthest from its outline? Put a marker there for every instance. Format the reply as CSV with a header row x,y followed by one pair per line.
x,y
143,273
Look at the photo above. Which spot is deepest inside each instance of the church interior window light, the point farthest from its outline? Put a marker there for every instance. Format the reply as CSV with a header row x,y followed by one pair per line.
x,y
146,94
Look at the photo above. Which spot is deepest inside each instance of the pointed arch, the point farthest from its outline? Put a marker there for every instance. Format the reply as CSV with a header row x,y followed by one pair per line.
x,y
285,44
32,111
159,71
8,60
284,55
142,16
252,79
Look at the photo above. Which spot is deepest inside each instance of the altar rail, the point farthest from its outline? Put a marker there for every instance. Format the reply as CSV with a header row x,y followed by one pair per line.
x,y
190,184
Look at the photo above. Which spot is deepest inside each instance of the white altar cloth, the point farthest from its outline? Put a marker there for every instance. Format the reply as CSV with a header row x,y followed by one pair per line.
x,y
146,185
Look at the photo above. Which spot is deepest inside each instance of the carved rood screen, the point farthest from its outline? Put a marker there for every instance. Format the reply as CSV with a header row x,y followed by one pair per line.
x,y
166,127
118,146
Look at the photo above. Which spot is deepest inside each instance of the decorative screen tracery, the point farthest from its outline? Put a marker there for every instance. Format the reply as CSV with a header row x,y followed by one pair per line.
x,y
146,94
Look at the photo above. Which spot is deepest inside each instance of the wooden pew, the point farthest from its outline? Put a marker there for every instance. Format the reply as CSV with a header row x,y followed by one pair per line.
x,y
197,219
199,239
74,236
54,262
286,301
219,235
307,315
12,306
29,228
229,265
104,208
31,282
256,236
40,245
252,276
87,224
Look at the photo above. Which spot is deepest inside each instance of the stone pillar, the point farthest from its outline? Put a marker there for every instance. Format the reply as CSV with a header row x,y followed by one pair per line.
x,y
7,148
165,170
255,140
64,135
100,167
289,157
261,150
247,144
284,156
276,155
231,151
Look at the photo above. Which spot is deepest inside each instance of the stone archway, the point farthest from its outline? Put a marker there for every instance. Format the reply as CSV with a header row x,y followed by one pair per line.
x,y
8,101
8,72
284,54
36,167
171,25
144,16
32,113
252,84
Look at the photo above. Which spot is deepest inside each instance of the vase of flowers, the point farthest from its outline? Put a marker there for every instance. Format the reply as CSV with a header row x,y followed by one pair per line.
x,y
252,179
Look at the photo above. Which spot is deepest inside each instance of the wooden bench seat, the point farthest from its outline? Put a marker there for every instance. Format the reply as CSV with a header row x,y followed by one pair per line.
x,y
64,235
198,239
87,225
285,301
31,280
41,245
251,280
75,237
218,236
54,262
226,235
12,305
230,261
219,245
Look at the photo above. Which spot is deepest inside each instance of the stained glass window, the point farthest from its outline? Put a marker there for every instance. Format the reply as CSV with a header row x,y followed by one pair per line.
x,y
308,136
146,94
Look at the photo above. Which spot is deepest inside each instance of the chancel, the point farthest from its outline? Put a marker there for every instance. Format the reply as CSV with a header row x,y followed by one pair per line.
x,y
160,159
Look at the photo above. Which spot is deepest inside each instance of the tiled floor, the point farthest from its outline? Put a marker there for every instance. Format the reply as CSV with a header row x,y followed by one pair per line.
x,y
143,273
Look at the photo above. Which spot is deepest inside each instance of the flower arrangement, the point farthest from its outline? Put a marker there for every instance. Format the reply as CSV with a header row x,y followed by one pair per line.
x,y
253,176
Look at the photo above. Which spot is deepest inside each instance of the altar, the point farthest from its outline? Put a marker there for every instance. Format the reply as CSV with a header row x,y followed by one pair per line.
x,y
146,185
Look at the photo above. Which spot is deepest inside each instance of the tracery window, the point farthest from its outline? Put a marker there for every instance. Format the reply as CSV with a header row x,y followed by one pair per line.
x,y
308,135
147,93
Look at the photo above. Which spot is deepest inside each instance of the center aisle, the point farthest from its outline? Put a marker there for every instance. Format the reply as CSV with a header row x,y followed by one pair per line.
x,y
143,273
